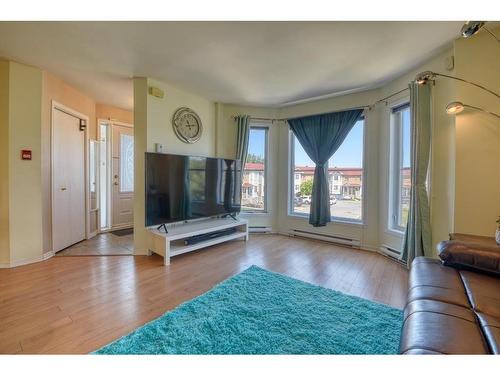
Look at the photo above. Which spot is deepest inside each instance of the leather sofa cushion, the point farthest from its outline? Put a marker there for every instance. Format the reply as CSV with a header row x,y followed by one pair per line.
x,y
470,256
491,331
433,326
431,272
483,292
439,308
420,351
435,293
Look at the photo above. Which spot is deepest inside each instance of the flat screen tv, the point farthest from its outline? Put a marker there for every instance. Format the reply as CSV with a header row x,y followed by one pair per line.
x,y
180,187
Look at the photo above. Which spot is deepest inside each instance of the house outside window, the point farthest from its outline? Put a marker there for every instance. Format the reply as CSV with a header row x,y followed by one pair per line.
x,y
253,197
400,176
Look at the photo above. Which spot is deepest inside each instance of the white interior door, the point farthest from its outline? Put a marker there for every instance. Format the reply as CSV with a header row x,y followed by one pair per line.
x,y
122,176
68,181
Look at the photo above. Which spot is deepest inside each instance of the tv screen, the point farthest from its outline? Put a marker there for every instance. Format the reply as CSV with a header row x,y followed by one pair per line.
x,y
180,187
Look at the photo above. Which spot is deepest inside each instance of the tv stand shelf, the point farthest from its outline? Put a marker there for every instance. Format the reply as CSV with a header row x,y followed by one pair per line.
x,y
172,243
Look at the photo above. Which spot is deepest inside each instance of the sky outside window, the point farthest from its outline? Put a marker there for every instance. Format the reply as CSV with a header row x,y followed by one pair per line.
x,y
347,155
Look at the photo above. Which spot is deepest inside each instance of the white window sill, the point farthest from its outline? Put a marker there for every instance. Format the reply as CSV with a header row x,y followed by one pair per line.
x,y
395,232
259,213
334,220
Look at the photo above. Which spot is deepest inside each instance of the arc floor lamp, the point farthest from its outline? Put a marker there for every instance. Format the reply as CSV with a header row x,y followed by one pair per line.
x,y
454,107
472,27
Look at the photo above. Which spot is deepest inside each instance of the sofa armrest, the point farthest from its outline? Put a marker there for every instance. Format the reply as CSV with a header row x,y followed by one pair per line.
x,y
471,256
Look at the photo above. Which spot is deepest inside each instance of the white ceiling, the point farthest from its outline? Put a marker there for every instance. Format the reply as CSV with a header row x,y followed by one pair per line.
x,y
254,63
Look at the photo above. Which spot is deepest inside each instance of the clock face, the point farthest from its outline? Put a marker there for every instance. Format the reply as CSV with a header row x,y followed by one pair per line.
x,y
187,125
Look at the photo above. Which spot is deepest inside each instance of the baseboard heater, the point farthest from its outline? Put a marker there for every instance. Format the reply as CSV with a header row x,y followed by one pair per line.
x,y
390,252
257,229
326,237
208,236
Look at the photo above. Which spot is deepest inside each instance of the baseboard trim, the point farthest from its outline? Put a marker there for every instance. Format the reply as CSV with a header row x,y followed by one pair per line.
x,y
48,255
24,262
369,248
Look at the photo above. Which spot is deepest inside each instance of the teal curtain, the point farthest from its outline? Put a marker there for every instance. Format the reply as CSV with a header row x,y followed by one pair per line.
x,y
243,130
321,136
417,240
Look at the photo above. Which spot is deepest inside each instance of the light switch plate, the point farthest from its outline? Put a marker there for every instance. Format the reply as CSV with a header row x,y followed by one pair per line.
x,y
159,147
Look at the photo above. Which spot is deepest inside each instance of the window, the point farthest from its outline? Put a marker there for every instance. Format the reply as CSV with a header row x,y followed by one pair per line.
x,y
253,195
126,163
400,176
345,178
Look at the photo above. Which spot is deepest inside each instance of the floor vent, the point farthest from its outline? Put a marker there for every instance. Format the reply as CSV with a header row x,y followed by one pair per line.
x,y
257,229
326,237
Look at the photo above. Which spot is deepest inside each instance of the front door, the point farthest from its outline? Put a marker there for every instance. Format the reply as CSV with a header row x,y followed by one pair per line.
x,y
68,181
122,176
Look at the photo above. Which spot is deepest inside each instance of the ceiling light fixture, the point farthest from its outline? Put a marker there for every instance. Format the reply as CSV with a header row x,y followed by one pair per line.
x,y
424,77
454,108
471,28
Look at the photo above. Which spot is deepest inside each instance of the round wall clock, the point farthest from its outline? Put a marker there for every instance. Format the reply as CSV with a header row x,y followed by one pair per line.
x,y
187,125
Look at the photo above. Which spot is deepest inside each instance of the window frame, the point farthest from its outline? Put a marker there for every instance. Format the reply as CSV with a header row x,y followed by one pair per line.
x,y
265,127
395,158
291,180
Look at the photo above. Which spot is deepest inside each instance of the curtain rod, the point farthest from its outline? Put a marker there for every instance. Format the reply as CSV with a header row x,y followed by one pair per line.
x,y
388,97
313,114
341,110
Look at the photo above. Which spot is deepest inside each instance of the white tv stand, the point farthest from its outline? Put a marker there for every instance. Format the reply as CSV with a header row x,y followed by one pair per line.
x,y
172,243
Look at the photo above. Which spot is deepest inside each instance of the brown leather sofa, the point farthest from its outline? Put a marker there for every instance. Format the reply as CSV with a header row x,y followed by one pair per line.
x,y
453,310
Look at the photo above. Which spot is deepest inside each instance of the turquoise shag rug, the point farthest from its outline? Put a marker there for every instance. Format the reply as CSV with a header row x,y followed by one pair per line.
x,y
262,312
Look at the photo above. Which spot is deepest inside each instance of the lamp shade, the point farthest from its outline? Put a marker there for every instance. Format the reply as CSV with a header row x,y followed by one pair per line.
x,y
423,77
454,107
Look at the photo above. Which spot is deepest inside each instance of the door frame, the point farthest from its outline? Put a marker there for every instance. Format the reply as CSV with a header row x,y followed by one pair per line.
x,y
111,123
61,107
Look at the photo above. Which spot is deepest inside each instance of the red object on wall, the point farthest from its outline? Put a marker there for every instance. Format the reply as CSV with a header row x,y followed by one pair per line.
x,y
26,154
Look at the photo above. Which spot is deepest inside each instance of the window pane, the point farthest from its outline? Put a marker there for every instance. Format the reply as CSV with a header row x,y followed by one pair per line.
x,y
405,173
254,173
345,177
303,172
126,163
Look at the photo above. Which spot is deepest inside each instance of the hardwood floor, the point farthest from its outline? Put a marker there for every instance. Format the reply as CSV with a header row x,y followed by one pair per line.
x,y
102,244
78,304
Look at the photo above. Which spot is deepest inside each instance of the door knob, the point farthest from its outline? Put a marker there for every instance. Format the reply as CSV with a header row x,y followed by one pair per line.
x,y
63,188
116,176
116,183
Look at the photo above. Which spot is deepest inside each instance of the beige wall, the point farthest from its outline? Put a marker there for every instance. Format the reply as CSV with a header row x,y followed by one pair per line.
x,y
141,243
103,111
153,124
4,163
159,120
25,179
477,198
